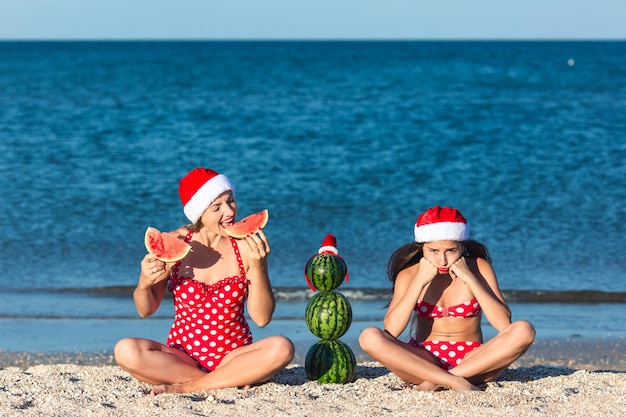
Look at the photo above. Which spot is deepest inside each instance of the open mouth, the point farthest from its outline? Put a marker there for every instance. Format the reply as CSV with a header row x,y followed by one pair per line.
x,y
227,223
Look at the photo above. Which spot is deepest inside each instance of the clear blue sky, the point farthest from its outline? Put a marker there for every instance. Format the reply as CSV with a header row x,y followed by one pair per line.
x,y
320,19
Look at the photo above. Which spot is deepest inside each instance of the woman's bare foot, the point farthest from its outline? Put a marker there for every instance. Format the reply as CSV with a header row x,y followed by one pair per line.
x,y
181,388
428,386
462,384
167,389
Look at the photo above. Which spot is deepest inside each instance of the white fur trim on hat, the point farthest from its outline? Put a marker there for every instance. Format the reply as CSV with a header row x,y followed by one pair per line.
x,y
205,195
442,231
327,249
329,245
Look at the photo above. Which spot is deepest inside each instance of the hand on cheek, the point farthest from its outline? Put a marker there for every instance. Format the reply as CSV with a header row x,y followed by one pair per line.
x,y
459,268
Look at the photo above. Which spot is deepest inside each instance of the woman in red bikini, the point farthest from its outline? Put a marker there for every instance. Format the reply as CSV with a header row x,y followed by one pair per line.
x,y
446,283
209,345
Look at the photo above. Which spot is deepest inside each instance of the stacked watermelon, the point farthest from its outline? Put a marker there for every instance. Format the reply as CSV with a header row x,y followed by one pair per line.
x,y
328,316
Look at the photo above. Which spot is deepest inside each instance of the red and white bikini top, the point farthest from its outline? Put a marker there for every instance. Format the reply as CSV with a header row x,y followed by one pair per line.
x,y
464,310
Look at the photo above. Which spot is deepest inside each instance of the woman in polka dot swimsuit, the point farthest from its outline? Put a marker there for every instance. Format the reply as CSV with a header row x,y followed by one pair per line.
x,y
445,282
209,318
209,345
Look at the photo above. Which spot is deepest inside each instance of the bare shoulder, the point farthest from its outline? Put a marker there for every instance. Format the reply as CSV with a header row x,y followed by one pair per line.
x,y
485,268
409,271
486,272
405,276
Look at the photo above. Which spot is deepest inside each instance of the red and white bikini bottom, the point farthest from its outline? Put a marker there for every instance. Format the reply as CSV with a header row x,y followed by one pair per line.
x,y
448,353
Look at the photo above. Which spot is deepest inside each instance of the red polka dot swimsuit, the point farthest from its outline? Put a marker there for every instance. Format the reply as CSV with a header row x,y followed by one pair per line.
x,y
210,319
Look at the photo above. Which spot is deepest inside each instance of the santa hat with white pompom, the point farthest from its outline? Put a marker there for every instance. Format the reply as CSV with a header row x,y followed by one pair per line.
x,y
441,223
329,245
199,188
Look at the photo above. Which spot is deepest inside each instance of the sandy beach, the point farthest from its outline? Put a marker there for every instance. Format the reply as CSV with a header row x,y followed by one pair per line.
x,y
585,378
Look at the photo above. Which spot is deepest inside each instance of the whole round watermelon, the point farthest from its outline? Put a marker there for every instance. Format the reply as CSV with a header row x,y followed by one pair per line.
x,y
328,315
326,271
330,362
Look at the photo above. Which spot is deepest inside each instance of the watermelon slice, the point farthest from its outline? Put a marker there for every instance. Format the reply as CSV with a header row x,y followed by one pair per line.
x,y
248,225
166,247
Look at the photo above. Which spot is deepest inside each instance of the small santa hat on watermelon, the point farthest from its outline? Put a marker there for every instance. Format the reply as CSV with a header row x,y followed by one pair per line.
x,y
329,245
441,223
199,188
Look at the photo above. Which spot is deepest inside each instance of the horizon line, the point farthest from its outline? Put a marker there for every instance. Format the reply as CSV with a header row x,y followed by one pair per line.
x,y
312,39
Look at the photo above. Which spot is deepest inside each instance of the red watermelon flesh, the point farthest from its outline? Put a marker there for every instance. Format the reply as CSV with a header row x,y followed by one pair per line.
x,y
166,247
248,225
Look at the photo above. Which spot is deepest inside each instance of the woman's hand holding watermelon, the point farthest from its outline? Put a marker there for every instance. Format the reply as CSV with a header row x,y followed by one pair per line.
x,y
258,248
151,286
152,271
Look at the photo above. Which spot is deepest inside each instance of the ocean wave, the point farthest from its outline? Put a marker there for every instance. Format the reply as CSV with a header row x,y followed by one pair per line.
x,y
298,294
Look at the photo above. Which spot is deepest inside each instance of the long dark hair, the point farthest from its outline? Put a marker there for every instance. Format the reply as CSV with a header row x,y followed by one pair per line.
x,y
411,253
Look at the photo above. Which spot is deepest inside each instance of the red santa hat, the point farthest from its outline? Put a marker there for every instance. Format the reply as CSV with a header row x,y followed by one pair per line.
x,y
329,245
441,223
199,188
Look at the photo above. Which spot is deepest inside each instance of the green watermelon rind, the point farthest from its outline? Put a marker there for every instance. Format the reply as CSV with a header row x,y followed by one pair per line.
x,y
326,271
328,315
330,362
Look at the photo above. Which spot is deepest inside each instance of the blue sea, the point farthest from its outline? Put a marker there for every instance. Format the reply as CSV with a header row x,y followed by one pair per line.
x,y
527,139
